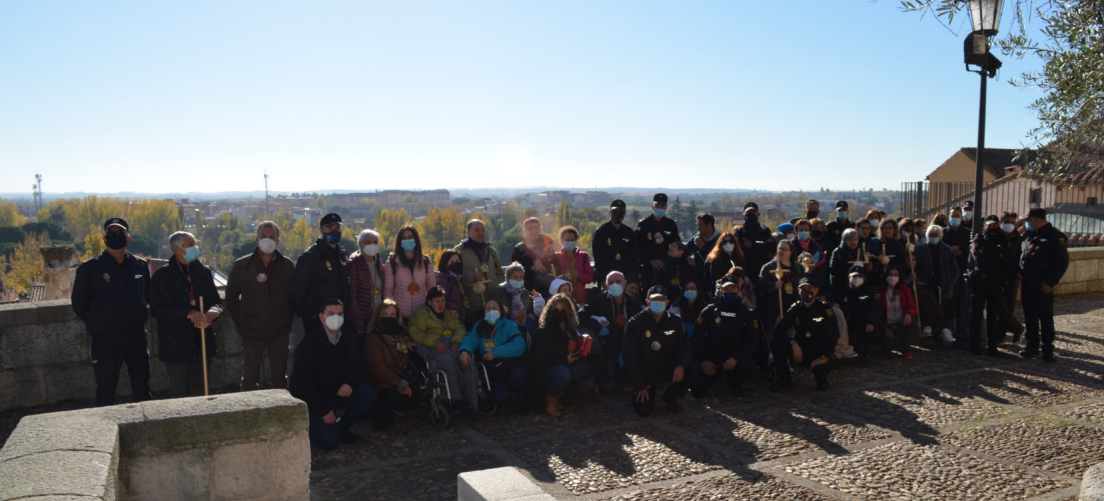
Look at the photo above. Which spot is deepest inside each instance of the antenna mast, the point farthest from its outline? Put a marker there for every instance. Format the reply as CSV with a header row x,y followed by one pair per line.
x,y
266,193
37,193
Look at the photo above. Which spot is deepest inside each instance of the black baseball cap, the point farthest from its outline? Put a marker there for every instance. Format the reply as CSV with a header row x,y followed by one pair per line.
x,y
617,204
805,281
116,221
992,218
857,270
657,290
329,219
660,198
1037,212
842,204
968,205
751,205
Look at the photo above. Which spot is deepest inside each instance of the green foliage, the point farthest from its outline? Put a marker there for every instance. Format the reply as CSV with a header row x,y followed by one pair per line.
x,y
141,245
11,234
50,227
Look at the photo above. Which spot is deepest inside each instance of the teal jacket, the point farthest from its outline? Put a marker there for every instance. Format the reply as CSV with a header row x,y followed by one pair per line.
x,y
509,342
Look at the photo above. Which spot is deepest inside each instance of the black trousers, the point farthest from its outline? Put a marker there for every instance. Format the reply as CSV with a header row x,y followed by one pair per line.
x,y
254,352
783,353
186,380
1038,316
987,297
108,355
1008,320
674,392
701,383
390,400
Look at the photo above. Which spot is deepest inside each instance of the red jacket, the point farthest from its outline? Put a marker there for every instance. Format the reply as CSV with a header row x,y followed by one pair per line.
x,y
584,274
908,303
362,291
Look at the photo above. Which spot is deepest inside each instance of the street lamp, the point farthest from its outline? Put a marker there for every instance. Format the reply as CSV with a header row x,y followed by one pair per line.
x,y
985,16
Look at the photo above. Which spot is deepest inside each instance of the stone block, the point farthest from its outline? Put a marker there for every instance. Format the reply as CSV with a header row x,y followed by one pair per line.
x,y
70,381
169,476
18,314
41,433
291,464
60,310
496,484
1092,484
74,473
195,421
242,471
45,343
225,371
1071,288
128,417
25,387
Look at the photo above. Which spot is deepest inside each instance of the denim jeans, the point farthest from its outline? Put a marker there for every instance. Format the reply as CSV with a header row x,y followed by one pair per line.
x,y
558,380
325,436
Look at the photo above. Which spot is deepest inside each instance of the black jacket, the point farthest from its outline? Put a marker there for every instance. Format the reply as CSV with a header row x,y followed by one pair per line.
x,y
815,328
758,245
321,368
1044,256
959,237
320,273
645,365
839,268
861,307
725,331
112,299
602,305
170,302
990,254
615,249
834,233
648,245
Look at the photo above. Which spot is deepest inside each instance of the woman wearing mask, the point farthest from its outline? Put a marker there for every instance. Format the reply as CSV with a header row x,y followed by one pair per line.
x,y
496,342
772,287
725,255
366,283
744,286
846,255
690,305
806,245
448,277
875,218
899,306
387,350
556,366
818,235
521,303
572,264
408,274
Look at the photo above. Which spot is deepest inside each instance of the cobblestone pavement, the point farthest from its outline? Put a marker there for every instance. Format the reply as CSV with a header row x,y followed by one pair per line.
x,y
943,426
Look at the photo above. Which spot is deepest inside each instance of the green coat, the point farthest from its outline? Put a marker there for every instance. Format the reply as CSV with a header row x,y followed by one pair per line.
x,y
426,330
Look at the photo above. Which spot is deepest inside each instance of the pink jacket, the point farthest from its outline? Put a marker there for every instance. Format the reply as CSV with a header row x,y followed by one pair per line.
x,y
584,274
397,278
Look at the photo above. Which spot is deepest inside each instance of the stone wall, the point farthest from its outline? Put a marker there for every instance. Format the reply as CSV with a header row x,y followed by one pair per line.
x,y
45,356
250,445
1085,273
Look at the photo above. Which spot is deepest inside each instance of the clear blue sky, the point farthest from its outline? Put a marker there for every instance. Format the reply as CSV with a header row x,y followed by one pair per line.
x,y
158,96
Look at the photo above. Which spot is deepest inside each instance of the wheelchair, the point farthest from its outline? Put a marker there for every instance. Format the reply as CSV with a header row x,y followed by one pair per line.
x,y
434,388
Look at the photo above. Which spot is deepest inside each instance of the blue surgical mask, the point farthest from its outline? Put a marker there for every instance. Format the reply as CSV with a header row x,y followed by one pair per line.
x,y
955,222
616,290
408,245
659,212
569,246
690,295
491,316
841,215
191,254
967,215
803,235
933,240
517,284
1029,226
731,297
1008,227
333,237
657,307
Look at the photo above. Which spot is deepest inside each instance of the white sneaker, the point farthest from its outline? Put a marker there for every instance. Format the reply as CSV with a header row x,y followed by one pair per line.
x,y
926,331
948,339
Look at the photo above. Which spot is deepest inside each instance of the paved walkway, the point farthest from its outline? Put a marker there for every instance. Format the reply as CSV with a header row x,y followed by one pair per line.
x,y
946,425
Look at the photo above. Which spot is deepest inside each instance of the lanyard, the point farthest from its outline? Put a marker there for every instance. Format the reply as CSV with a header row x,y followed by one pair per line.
x,y
191,287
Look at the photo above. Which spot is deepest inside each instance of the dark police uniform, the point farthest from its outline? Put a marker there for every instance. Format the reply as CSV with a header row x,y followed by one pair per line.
x,y
1044,260
959,237
835,229
111,299
723,331
815,331
1011,289
320,273
615,249
651,351
862,307
990,255
653,239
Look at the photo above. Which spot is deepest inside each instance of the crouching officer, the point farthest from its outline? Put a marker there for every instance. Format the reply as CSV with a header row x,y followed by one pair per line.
x,y
110,295
1042,263
989,251
814,341
726,339
656,349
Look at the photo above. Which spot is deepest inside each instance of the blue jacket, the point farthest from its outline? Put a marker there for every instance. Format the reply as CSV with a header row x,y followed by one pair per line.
x,y
509,342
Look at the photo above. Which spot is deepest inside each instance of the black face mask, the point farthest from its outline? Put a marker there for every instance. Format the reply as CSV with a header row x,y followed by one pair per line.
x,y
751,218
616,217
816,234
389,322
811,214
116,241
456,268
807,296
558,317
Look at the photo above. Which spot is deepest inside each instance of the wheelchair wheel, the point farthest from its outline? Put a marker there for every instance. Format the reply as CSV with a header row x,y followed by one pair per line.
x,y
438,416
487,407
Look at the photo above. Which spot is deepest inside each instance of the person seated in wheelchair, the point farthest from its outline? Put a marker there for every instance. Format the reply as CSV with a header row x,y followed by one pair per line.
x,y
390,370
438,335
523,304
497,344
560,357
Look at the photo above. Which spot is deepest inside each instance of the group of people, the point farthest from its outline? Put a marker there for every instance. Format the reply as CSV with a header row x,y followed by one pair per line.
x,y
651,312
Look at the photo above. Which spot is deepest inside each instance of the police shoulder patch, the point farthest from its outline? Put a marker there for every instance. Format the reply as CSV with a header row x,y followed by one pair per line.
x,y
828,312
755,323
1061,241
701,320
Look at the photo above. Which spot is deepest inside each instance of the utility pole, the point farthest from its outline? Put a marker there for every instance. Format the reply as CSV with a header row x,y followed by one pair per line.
x,y
37,193
266,193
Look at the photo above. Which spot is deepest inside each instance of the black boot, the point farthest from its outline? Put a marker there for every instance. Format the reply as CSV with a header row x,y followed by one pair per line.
x,y
820,372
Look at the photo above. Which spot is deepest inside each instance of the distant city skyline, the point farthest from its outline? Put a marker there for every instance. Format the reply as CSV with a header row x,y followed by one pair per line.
x,y
153,97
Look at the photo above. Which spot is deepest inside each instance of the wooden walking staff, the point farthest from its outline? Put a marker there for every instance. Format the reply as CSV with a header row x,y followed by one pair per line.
x,y
915,293
203,348
778,273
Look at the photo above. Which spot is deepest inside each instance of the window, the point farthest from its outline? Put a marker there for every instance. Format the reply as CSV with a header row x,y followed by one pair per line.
x,y
1035,196
1091,201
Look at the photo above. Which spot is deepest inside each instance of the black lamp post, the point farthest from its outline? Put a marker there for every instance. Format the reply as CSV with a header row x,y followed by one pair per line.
x,y
985,16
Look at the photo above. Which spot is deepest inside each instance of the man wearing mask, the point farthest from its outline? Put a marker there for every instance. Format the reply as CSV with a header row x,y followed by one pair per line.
x,y
1011,290
328,376
957,236
258,299
726,340
937,271
605,317
812,211
755,239
533,252
862,308
814,343
321,272
175,292
835,228
990,254
614,244
654,235
365,284
1043,261
656,349
482,269
702,243
968,213
110,294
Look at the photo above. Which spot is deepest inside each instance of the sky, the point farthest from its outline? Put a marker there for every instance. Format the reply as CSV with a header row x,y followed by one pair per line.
x,y
174,96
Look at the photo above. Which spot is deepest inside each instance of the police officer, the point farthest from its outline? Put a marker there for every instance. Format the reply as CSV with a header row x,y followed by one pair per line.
x,y
957,236
656,349
1009,322
614,246
755,239
654,236
726,340
814,341
968,213
862,307
989,252
812,210
836,228
110,295
1043,261
322,272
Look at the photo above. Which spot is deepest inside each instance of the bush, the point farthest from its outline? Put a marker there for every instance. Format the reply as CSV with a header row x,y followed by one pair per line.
x,y
55,231
11,234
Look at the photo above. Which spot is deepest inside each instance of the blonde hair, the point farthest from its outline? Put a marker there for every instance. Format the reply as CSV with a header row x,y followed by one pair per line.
x,y
569,306
387,303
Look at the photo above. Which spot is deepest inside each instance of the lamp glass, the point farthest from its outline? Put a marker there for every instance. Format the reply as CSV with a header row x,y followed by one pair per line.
x,y
985,15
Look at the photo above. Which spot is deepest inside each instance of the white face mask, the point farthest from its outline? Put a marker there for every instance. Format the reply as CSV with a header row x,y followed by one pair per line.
x,y
1008,227
728,247
370,250
267,245
334,322
856,282
874,224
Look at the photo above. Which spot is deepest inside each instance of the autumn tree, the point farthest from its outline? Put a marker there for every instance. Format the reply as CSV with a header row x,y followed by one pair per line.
x,y
93,244
9,214
444,226
25,262
388,222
